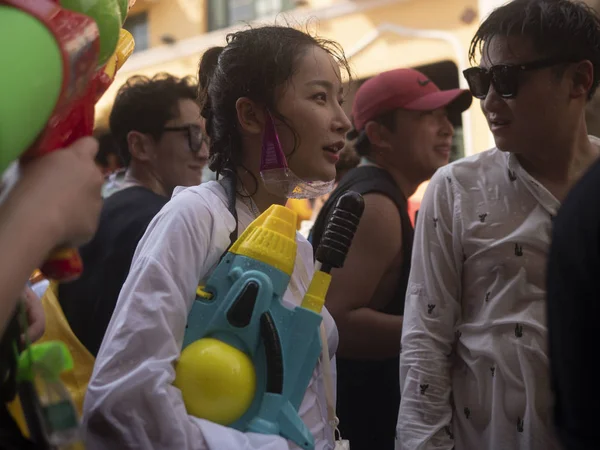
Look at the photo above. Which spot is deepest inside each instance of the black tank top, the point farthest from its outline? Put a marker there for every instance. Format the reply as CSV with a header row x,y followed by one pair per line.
x,y
370,180
368,392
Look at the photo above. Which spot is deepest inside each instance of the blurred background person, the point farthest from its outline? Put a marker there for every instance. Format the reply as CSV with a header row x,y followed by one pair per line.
x,y
157,125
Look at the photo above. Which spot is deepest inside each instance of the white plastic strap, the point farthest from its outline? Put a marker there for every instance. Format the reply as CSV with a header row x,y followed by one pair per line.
x,y
331,416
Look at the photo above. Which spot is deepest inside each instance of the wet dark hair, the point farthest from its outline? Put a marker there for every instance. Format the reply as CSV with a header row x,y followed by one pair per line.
x,y
253,64
557,28
145,105
106,147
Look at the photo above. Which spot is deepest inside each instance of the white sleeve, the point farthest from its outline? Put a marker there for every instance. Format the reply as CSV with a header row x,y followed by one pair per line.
x,y
131,402
431,312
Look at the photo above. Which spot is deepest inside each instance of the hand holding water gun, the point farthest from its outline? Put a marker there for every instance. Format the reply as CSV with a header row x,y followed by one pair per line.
x,y
247,359
63,56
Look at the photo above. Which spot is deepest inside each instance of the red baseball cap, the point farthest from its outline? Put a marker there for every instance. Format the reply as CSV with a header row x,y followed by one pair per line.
x,y
403,89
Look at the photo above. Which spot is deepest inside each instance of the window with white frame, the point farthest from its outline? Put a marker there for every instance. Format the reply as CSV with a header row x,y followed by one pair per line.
x,y
224,13
137,25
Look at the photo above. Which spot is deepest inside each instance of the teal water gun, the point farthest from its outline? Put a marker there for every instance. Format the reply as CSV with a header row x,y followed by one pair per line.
x,y
247,359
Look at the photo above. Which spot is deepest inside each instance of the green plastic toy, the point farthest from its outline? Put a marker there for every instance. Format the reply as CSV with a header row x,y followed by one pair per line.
x,y
31,73
28,97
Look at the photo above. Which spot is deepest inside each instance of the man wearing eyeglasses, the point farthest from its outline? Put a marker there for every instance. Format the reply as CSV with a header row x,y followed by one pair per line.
x,y
474,364
157,126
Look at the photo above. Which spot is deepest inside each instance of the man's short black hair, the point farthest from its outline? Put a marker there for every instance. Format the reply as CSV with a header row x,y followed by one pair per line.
x,y
145,105
106,146
557,28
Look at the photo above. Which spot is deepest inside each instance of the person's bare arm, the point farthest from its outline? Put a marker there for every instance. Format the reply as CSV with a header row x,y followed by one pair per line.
x,y
56,200
24,241
364,332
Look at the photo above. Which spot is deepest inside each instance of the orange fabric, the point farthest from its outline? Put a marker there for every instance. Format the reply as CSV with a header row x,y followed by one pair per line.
x,y
414,202
302,208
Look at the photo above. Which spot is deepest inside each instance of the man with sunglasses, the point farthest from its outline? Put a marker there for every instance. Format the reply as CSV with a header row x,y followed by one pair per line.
x,y
474,364
157,126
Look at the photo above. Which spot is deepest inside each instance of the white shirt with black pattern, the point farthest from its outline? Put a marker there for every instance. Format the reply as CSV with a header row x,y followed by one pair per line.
x,y
474,371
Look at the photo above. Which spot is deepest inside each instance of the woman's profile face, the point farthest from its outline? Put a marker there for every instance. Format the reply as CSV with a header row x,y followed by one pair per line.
x,y
311,103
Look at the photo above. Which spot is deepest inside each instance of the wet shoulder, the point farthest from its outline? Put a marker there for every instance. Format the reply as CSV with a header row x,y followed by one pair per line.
x,y
201,202
477,171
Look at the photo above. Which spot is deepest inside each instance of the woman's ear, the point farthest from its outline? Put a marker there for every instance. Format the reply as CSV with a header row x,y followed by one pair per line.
x,y
250,116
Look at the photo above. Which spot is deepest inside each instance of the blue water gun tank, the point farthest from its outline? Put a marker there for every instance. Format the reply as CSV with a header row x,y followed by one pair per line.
x,y
247,359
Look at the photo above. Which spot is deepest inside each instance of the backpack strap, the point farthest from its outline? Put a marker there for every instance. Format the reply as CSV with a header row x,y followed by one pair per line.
x,y
229,183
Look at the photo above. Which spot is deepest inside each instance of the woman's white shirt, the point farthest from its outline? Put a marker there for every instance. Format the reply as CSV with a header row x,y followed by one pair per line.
x,y
131,402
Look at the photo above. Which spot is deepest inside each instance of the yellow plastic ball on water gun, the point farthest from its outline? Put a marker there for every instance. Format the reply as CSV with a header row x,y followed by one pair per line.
x,y
217,381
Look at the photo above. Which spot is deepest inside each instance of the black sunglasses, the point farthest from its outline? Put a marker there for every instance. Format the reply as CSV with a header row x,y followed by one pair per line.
x,y
504,77
195,134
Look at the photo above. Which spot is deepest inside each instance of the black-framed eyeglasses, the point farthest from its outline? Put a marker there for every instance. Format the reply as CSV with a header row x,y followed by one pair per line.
x,y
196,137
504,77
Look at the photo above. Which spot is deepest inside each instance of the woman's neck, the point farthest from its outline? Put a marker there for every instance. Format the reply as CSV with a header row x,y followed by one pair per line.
x,y
251,185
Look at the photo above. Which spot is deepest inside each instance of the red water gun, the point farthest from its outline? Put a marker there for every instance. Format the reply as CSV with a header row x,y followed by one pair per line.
x,y
63,56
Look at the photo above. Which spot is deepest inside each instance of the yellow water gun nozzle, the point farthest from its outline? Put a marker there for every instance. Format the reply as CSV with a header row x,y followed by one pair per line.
x,y
314,299
271,239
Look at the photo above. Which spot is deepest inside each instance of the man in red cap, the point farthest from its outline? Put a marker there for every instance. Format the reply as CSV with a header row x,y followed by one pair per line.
x,y
404,135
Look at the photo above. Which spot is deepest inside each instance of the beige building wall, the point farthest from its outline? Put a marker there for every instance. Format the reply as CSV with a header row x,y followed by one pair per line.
x,y
179,18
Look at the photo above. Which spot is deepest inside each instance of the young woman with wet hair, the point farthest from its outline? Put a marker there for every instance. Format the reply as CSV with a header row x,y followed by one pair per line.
x,y
264,79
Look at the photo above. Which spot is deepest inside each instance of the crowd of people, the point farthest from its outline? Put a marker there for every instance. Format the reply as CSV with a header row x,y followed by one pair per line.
x,y
471,328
